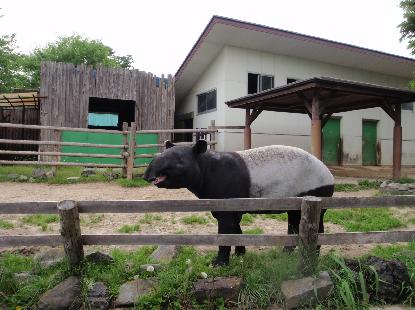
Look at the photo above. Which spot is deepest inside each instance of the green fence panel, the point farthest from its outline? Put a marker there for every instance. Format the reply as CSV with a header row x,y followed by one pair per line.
x,y
104,138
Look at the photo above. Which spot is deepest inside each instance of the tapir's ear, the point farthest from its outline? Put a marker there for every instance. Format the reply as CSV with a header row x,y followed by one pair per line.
x,y
168,144
200,147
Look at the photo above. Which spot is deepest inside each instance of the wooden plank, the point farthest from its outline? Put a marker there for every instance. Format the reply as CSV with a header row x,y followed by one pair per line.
x,y
39,240
54,163
60,128
40,207
231,239
367,237
368,202
62,154
131,151
178,131
111,146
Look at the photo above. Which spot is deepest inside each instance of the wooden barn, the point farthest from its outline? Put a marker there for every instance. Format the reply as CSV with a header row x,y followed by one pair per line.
x,y
84,97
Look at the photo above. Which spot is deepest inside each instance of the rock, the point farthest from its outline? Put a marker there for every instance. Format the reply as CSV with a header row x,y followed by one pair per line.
x,y
306,291
393,276
99,258
22,277
145,267
112,175
74,179
50,257
63,296
98,298
39,173
411,186
226,287
384,184
50,174
88,172
165,253
132,290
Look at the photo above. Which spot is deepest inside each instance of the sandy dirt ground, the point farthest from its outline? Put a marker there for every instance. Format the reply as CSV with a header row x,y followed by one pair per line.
x,y
170,223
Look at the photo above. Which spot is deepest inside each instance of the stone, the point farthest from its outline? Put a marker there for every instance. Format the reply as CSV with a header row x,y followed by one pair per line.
x,y
99,258
74,179
411,186
306,291
50,174
144,268
50,257
39,173
98,298
226,287
384,184
111,175
22,277
86,172
132,290
393,276
165,253
65,295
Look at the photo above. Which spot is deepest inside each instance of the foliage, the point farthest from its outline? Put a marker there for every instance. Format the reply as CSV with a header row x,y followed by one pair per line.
x,y
405,180
137,182
149,218
41,220
254,231
129,229
363,219
195,220
407,27
362,185
247,219
5,224
74,49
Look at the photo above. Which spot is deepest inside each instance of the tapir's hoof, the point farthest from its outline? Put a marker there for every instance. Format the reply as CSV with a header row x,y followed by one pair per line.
x,y
217,262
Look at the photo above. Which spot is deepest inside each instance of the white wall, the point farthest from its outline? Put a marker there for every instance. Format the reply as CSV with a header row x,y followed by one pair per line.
x,y
228,73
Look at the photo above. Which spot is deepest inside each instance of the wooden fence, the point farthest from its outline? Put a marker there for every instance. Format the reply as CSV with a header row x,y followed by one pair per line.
x,y
307,239
127,149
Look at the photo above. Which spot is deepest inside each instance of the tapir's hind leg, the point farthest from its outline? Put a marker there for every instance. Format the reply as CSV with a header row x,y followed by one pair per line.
x,y
294,218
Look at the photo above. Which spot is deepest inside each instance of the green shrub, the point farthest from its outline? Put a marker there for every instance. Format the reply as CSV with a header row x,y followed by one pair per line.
x,y
195,220
41,220
129,229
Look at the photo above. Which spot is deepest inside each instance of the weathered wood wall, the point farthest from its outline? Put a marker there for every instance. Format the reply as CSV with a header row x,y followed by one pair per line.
x,y
67,89
19,115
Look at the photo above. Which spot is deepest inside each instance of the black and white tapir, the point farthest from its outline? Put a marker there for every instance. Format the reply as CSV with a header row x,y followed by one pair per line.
x,y
268,172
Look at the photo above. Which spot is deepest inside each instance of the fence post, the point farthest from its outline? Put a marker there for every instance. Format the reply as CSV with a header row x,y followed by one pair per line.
x,y
56,148
71,232
212,134
308,234
131,151
124,151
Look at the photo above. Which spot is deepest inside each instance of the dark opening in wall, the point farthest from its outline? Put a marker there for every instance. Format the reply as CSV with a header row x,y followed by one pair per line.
x,y
104,113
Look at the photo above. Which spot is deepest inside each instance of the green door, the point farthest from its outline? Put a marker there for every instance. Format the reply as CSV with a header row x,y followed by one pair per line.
x,y
369,136
331,141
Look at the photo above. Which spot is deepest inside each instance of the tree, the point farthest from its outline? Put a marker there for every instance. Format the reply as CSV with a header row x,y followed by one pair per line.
x,y
407,27
77,50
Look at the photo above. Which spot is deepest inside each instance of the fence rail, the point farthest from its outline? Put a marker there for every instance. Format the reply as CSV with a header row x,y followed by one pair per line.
x,y
127,154
308,238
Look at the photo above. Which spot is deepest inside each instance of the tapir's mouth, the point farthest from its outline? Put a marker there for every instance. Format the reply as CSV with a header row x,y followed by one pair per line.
x,y
159,179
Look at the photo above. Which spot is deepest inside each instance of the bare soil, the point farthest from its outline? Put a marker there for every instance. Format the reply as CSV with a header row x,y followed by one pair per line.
x,y
169,224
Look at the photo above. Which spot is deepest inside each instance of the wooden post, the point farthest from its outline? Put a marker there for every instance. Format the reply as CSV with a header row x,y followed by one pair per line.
x,y
71,233
124,151
316,128
247,130
212,134
308,234
131,151
397,144
56,148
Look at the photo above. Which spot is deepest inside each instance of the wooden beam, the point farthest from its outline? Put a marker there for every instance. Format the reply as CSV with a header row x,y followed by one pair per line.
x,y
325,118
316,128
397,143
247,130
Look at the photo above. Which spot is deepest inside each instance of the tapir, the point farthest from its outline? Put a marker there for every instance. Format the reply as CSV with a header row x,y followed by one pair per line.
x,y
274,171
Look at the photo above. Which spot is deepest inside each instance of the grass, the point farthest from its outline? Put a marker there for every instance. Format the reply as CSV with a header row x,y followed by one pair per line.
x,y
137,182
247,219
279,217
41,220
149,218
363,219
195,220
129,229
361,185
253,231
404,180
96,218
6,225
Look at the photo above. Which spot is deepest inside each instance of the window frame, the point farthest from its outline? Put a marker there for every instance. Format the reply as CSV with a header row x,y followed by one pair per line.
x,y
409,110
206,92
259,82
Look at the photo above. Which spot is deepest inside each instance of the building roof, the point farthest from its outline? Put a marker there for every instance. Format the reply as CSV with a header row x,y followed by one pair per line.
x,y
21,99
222,31
335,95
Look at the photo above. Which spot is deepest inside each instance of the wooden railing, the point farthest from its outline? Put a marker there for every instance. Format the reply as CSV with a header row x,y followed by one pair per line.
x,y
308,238
127,149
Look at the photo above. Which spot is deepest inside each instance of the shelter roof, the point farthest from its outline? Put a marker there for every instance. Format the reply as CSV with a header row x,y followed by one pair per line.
x,y
21,99
335,95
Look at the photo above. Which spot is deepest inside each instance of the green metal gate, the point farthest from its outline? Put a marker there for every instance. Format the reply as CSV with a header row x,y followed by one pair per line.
x,y
369,137
331,141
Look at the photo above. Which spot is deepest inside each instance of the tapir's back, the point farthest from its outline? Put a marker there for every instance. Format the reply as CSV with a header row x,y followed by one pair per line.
x,y
284,171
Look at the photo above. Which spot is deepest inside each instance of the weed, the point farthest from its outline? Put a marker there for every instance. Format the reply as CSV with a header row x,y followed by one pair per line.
x,y
41,220
150,218
5,224
195,220
180,232
346,187
369,184
364,184
137,182
96,218
279,217
253,231
404,180
247,219
129,229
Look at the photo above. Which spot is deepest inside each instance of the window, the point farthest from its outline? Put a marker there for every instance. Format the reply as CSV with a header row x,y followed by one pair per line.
x,y
291,80
107,113
259,82
206,102
409,106
102,119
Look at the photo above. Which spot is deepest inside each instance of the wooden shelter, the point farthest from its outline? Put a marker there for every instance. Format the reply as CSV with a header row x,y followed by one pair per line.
x,y
320,97
71,92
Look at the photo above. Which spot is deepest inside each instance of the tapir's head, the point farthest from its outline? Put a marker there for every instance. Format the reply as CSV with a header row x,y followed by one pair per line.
x,y
177,166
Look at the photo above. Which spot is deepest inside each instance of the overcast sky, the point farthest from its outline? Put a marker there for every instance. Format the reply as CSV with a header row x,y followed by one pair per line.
x,y
159,34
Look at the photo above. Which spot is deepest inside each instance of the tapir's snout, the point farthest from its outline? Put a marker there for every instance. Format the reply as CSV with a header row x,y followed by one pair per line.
x,y
149,174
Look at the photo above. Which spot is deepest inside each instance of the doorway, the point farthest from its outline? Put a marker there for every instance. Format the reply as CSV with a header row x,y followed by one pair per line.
x,y
331,142
369,137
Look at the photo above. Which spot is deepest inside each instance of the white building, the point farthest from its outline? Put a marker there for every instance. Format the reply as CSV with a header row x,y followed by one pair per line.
x,y
233,58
